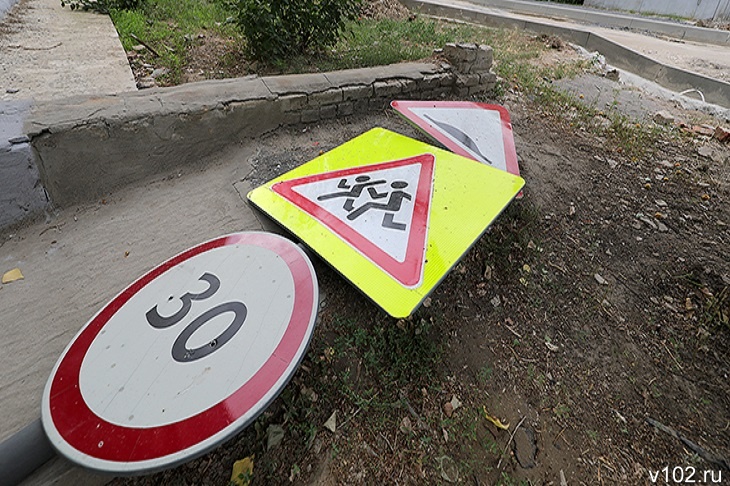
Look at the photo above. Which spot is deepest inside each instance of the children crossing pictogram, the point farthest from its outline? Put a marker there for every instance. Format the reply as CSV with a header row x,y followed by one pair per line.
x,y
373,209
394,203
361,182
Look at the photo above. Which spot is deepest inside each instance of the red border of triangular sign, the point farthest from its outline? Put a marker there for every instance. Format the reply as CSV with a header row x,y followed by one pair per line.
x,y
404,107
410,272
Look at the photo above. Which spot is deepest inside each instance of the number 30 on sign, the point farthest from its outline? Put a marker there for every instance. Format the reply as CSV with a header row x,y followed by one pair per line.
x,y
185,357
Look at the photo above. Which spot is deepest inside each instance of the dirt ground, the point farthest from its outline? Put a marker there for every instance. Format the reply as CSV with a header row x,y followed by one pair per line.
x,y
592,319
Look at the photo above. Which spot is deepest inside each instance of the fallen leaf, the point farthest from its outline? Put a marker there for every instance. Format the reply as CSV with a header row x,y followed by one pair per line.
x,y
12,276
448,409
406,426
551,346
455,403
310,394
498,423
331,423
448,468
526,268
242,472
427,302
274,436
294,472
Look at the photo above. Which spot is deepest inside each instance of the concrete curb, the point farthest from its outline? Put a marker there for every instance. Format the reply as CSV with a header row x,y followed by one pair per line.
x,y
88,146
85,147
612,19
675,79
21,193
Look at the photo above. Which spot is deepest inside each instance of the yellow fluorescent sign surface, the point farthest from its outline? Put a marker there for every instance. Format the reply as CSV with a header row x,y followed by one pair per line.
x,y
393,215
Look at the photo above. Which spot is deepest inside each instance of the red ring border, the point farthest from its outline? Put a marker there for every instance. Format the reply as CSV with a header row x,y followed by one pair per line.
x,y
90,434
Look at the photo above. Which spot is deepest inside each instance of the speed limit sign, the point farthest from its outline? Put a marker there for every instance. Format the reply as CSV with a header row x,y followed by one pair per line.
x,y
185,357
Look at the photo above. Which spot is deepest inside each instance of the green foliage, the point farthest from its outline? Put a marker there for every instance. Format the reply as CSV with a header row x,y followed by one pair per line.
x,y
172,28
102,6
279,29
392,353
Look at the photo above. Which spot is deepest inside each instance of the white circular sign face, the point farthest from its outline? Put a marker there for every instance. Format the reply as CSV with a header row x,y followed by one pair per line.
x,y
185,357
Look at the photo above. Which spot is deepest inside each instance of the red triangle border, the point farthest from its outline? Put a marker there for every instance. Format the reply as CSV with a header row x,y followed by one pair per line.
x,y
408,273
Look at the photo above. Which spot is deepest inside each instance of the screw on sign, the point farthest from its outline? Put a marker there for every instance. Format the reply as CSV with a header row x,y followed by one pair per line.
x,y
185,357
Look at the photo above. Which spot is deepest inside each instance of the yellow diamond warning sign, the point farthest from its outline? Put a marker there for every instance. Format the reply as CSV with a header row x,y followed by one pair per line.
x,y
393,215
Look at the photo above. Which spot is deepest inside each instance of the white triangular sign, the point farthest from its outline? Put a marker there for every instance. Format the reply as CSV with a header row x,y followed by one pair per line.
x,y
381,210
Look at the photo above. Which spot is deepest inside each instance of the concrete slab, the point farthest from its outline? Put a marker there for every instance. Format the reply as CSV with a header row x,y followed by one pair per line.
x,y
49,52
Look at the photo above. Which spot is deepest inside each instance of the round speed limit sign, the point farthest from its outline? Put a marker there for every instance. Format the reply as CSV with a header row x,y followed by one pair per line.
x,y
185,357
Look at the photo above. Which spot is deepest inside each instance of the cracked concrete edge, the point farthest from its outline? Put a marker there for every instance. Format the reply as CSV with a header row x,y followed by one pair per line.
x,y
675,79
21,192
86,146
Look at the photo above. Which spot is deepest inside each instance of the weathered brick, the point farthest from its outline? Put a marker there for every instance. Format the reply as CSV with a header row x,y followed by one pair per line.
x,y
468,52
310,115
325,97
467,80
485,54
441,92
291,118
487,78
447,79
375,104
360,106
451,51
350,93
430,81
409,85
481,66
464,67
479,88
328,111
292,102
345,108
387,88
461,92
